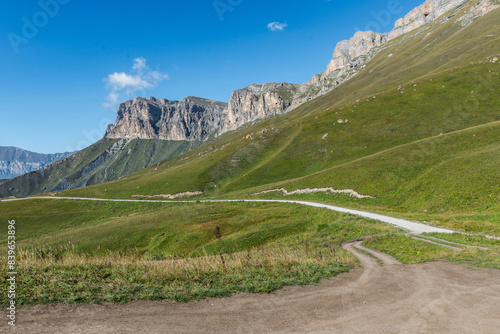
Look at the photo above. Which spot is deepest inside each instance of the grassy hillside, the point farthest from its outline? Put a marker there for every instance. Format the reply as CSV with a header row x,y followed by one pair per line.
x,y
71,251
106,160
169,230
417,130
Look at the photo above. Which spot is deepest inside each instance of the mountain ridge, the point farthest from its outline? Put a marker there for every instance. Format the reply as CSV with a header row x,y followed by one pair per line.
x,y
99,163
259,101
382,133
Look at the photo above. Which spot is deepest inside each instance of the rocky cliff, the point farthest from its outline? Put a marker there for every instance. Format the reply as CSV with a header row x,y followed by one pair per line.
x,y
190,119
347,51
198,119
479,9
350,56
257,102
354,53
425,13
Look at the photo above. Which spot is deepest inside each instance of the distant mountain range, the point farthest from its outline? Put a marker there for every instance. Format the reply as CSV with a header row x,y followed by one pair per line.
x,y
16,161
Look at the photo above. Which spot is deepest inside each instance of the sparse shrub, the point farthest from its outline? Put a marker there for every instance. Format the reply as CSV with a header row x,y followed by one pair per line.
x,y
218,235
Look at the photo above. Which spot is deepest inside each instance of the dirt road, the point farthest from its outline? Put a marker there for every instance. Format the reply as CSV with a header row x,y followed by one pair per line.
x,y
436,297
413,227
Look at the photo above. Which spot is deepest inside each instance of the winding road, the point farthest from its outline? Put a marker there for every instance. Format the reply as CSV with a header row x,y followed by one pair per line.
x,y
412,227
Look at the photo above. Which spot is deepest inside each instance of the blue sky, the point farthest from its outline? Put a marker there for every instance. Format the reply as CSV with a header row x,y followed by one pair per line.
x,y
64,64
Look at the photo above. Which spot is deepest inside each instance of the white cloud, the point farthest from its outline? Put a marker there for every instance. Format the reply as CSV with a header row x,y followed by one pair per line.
x,y
122,84
139,63
277,26
126,82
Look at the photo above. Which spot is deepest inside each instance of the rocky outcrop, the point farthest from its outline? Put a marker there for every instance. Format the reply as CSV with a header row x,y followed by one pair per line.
x,y
349,56
425,13
257,102
481,8
190,119
348,51
354,53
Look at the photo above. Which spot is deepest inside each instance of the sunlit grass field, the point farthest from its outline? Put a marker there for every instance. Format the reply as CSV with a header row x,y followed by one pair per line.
x,y
120,252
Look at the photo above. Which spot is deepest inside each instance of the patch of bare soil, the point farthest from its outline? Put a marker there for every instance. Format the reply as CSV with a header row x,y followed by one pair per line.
x,y
435,297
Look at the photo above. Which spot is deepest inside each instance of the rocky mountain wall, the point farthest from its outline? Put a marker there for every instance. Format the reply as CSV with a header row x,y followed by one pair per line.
x,y
198,119
191,118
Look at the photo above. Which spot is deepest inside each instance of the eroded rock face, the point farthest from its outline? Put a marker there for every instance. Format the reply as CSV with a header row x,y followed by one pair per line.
x,y
257,102
425,13
352,55
364,42
359,45
481,8
191,118
348,58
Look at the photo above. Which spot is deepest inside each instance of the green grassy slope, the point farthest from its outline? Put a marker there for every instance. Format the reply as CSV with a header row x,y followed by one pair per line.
x,y
145,229
82,252
106,160
420,134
